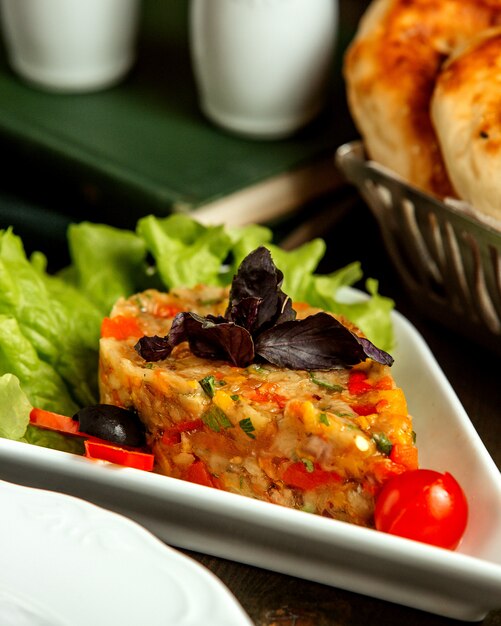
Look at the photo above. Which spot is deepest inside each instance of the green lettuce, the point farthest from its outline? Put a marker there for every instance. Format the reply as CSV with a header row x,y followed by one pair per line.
x,y
53,330
107,262
54,440
15,408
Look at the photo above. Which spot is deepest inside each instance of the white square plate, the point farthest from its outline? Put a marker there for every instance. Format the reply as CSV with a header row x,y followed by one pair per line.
x,y
464,584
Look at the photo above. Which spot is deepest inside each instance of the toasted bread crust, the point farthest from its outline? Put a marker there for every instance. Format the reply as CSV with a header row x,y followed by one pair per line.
x,y
391,68
467,118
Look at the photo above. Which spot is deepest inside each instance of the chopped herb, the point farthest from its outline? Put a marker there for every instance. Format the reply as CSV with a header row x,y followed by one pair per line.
x,y
221,383
216,419
247,426
323,383
255,368
309,508
149,366
383,444
208,384
235,397
322,418
344,415
210,302
309,465
414,436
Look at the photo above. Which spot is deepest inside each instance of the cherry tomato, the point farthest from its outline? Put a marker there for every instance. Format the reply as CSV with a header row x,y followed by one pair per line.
x,y
423,505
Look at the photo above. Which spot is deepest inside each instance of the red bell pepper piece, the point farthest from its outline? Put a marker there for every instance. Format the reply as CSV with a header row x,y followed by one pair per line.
x,y
198,473
120,456
405,454
167,310
172,435
357,383
120,327
55,421
385,469
364,409
298,475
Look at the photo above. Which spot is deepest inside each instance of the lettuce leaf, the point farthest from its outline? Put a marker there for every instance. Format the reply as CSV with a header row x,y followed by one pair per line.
x,y
41,383
54,440
54,327
15,408
108,262
186,252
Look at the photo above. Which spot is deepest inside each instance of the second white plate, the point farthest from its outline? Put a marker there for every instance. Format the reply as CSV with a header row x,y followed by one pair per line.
x,y
66,562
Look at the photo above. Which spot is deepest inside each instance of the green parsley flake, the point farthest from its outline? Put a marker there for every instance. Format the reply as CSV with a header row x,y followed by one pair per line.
x,y
323,419
248,427
210,301
216,419
383,444
323,383
309,465
208,384
235,397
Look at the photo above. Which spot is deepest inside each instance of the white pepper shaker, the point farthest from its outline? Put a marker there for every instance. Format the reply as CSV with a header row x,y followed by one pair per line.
x,y
262,66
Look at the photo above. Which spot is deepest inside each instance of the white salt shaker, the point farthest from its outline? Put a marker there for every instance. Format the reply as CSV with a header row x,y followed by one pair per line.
x,y
70,45
262,66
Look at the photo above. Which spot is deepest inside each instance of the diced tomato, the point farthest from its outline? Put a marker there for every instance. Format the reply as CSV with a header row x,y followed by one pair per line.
x,y
167,310
357,383
55,421
298,475
120,327
405,454
385,468
384,383
266,393
120,456
364,409
382,405
172,435
198,473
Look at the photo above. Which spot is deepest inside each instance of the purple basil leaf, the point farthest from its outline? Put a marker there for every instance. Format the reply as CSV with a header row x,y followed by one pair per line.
x,y
374,353
246,313
153,348
211,340
256,299
316,342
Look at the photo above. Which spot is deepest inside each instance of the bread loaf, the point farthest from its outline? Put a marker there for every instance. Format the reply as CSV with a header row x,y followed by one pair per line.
x,y
391,69
466,112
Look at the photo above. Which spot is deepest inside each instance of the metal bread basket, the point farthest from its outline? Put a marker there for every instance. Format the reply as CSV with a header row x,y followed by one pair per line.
x,y
448,259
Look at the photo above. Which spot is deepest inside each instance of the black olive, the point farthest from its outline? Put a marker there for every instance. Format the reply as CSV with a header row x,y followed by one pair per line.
x,y
112,423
